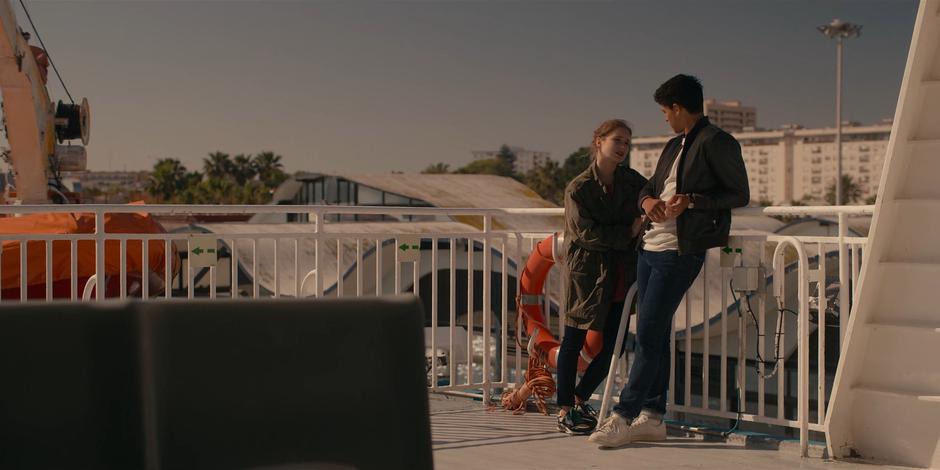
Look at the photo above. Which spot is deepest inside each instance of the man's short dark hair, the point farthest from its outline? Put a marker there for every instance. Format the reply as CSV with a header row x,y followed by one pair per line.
x,y
684,90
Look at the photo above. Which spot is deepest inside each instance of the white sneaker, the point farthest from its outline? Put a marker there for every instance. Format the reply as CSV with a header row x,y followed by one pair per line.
x,y
613,432
647,427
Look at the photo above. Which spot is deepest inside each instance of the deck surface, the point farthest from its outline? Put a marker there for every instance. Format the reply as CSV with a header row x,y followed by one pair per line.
x,y
467,436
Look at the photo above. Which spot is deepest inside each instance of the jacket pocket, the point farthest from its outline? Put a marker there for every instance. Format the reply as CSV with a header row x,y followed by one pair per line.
x,y
699,223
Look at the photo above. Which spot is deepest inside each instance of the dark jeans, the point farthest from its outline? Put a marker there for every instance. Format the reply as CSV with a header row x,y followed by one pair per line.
x,y
662,280
568,355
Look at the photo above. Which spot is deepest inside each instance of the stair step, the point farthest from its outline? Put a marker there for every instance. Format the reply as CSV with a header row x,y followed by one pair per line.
x,y
916,222
925,267
896,426
889,360
897,393
919,179
909,327
901,292
918,202
917,144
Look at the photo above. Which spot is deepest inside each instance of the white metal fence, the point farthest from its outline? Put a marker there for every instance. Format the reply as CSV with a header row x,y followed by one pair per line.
x,y
466,274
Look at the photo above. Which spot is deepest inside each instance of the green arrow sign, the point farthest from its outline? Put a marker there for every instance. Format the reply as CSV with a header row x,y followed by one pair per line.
x,y
409,249
203,252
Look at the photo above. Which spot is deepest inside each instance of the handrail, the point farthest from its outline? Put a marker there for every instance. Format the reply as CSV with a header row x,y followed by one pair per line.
x,y
272,209
618,346
803,334
819,210
366,210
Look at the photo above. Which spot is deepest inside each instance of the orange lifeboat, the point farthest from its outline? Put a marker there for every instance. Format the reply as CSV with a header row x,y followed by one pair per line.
x,y
61,256
542,342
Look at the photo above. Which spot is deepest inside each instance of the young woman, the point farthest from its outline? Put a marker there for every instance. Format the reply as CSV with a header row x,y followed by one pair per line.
x,y
602,220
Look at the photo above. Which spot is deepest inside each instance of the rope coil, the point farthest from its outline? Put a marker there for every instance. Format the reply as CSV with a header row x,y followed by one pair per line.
x,y
538,382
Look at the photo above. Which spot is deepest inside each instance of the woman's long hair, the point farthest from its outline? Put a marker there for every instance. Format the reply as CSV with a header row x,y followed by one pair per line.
x,y
606,128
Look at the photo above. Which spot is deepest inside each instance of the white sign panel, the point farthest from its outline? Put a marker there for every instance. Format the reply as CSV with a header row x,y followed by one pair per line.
x,y
203,252
409,249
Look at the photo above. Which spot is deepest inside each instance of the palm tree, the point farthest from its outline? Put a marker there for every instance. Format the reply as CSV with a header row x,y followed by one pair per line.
x,y
218,165
167,180
243,168
269,168
851,192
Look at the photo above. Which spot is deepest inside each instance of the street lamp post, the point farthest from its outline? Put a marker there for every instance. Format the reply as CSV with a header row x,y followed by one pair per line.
x,y
839,30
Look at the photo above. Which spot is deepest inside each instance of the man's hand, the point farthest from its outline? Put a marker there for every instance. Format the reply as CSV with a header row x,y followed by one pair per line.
x,y
655,209
676,205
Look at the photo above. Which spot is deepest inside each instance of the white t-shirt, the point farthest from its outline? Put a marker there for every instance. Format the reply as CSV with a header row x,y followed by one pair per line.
x,y
662,236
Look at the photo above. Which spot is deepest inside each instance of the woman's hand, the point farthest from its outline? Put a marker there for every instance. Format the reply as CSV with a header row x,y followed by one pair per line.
x,y
637,225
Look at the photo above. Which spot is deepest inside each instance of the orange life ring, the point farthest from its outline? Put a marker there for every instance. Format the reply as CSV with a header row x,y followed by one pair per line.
x,y
529,307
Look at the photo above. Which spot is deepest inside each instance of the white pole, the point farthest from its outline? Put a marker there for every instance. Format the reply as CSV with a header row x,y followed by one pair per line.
x,y
839,121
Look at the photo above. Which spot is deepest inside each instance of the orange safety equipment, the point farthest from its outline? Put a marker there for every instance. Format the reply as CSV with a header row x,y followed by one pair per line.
x,y
56,269
542,342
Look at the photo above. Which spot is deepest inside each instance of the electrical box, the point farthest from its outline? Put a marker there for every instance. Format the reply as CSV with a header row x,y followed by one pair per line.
x,y
745,279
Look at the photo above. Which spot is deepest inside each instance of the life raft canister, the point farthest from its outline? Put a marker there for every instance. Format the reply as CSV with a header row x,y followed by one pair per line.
x,y
529,305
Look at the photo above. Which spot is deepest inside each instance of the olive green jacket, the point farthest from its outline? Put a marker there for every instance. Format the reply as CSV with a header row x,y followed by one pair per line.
x,y
600,233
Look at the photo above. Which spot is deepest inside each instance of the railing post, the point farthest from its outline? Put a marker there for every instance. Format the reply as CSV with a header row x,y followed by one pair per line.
x,y
843,279
100,280
802,339
318,279
434,296
487,312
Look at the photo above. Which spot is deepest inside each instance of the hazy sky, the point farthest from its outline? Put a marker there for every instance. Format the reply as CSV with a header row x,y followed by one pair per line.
x,y
349,86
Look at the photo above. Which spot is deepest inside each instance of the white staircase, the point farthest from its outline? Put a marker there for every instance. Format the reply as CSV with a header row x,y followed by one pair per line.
x,y
886,397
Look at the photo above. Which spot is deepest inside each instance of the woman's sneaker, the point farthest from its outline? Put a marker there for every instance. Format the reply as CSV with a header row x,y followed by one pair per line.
x,y
588,414
575,422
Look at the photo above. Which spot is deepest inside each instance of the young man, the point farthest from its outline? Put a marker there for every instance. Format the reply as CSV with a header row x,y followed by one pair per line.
x,y
700,177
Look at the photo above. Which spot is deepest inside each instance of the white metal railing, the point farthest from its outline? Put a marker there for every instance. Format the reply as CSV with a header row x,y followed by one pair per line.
x,y
849,255
326,259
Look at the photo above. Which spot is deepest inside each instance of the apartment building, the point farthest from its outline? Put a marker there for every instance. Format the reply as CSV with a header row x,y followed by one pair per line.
x,y
794,163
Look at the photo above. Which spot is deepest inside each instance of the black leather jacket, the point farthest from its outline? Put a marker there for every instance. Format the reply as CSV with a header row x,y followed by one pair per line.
x,y
711,171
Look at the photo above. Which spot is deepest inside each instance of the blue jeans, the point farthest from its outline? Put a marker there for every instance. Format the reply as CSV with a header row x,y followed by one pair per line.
x,y
662,280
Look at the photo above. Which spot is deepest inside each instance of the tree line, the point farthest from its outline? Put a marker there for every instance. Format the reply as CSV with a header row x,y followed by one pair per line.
x,y
242,179
252,179
547,178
